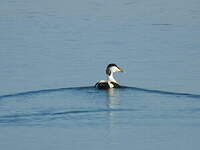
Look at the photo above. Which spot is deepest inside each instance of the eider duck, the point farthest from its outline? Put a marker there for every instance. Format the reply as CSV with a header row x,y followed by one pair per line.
x,y
111,82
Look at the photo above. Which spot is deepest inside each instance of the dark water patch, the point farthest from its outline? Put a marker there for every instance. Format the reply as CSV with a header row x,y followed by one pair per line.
x,y
161,24
130,3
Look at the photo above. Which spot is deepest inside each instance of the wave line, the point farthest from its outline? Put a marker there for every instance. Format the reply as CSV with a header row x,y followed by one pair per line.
x,y
92,87
164,92
41,91
50,114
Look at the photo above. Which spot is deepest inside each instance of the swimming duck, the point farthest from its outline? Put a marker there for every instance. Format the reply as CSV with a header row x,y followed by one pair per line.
x,y
111,82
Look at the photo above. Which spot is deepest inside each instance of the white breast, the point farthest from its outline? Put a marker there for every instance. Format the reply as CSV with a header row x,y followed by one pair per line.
x,y
110,85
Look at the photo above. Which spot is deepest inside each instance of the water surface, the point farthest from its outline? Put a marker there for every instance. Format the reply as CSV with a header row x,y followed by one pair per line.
x,y
110,119
46,47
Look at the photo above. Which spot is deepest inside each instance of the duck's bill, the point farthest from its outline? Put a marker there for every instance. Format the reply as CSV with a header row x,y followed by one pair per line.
x,y
121,70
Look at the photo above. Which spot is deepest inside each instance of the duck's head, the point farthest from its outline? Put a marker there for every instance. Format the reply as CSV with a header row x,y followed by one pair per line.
x,y
111,68
111,82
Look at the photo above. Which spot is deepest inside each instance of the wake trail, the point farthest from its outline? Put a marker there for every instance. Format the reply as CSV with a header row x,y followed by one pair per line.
x,y
92,87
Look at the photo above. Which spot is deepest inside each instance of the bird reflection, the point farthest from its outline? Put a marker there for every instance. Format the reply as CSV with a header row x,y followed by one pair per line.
x,y
113,98
113,104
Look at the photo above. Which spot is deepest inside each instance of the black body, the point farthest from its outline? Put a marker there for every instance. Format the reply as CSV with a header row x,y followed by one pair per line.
x,y
105,85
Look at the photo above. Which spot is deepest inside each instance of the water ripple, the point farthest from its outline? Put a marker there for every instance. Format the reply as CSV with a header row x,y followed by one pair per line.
x,y
40,92
15,118
91,87
165,92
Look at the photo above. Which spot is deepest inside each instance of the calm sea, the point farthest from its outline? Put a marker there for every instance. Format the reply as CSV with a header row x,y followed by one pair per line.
x,y
53,52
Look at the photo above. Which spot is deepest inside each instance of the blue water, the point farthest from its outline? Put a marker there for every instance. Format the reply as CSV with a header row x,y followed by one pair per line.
x,y
89,118
53,52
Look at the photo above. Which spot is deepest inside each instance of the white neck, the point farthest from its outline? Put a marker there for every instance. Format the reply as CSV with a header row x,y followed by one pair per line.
x,y
111,78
